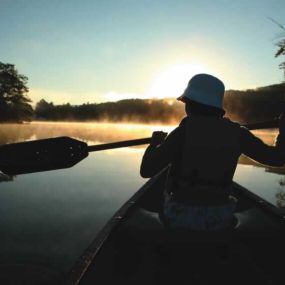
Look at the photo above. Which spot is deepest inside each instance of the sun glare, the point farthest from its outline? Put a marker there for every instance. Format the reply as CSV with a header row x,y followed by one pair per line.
x,y
169,83
173,81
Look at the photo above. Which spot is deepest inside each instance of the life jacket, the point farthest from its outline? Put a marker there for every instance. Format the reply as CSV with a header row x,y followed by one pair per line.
x,y
208,162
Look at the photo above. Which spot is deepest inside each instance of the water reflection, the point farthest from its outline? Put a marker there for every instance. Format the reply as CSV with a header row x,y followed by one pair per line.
x,y
87,132
51,217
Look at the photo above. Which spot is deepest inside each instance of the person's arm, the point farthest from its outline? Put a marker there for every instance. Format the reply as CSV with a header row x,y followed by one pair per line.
x,y
257,150
160,152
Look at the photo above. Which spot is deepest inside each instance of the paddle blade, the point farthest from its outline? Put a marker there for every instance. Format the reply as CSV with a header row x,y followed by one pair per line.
x,y
41,155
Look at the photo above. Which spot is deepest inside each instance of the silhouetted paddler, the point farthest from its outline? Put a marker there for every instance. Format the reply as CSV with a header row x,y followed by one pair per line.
x,y
203,153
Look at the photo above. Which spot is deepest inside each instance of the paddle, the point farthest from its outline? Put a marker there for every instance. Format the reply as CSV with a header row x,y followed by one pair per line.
x,y
64,152
51,154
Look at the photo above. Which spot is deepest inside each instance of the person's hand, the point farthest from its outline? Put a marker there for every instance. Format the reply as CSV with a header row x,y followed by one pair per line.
x,y
282,123
157,138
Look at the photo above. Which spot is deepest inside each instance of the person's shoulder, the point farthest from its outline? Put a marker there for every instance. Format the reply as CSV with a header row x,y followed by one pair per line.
x,y
180,129
235,124
184,122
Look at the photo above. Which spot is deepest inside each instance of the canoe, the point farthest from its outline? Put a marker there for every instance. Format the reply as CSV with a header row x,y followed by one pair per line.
x,y
135,248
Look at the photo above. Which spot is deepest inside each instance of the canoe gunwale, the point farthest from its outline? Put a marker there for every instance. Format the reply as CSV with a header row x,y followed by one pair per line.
x,y
82,263
260,202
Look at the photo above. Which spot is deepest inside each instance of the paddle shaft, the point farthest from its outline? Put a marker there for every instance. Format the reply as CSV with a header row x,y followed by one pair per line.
x,y
119,144
273,124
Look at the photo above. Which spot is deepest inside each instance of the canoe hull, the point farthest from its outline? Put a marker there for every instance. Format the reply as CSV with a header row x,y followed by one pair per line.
x,y
135,247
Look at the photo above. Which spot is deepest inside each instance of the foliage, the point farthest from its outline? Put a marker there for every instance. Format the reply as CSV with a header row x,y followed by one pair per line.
x,y
281,51
14,102
281,45
134,110
247,106
252,105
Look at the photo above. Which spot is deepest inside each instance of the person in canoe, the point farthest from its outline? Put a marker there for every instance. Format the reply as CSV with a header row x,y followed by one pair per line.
x,y
203,153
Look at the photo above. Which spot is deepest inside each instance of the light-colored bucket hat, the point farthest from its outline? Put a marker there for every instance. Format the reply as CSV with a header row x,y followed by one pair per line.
x,y
205,89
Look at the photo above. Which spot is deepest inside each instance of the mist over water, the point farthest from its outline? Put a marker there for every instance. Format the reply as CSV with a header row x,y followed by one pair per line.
x,y
49,218
88,132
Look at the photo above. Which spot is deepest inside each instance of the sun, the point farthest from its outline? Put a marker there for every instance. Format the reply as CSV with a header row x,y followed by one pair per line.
x,y
173,81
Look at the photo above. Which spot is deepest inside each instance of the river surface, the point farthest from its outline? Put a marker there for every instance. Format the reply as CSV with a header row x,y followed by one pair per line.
x,y
49,218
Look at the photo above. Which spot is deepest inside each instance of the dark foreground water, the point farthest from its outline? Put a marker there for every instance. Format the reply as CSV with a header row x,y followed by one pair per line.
x,y
49,218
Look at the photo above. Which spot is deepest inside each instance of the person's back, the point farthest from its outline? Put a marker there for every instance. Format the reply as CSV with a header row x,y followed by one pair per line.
x,y
203,153
210,149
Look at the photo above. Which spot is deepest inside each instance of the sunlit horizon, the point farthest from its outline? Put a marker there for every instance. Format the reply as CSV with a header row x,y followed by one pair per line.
x,y
98,51
167,84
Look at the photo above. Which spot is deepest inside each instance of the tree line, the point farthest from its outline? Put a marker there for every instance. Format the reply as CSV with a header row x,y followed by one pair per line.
x,y
134,110
255,105
246,106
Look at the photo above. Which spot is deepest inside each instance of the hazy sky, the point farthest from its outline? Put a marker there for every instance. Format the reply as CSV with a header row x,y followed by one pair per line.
x,y
97,50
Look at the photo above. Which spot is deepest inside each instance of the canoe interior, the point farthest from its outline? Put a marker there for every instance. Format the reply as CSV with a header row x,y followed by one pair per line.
x,y
135,248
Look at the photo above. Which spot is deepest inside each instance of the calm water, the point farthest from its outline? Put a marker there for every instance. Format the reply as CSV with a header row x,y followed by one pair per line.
x,y
49,218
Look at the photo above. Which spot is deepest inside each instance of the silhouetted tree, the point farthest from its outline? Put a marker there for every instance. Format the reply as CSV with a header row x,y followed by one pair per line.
x,y
280,45
44,110
281,51
14,102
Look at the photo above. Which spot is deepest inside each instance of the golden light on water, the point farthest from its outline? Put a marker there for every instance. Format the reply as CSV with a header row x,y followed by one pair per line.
x,y
90,132
94,132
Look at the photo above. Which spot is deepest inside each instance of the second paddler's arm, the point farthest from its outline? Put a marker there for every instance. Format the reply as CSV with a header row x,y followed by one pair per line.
x,y
257,150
